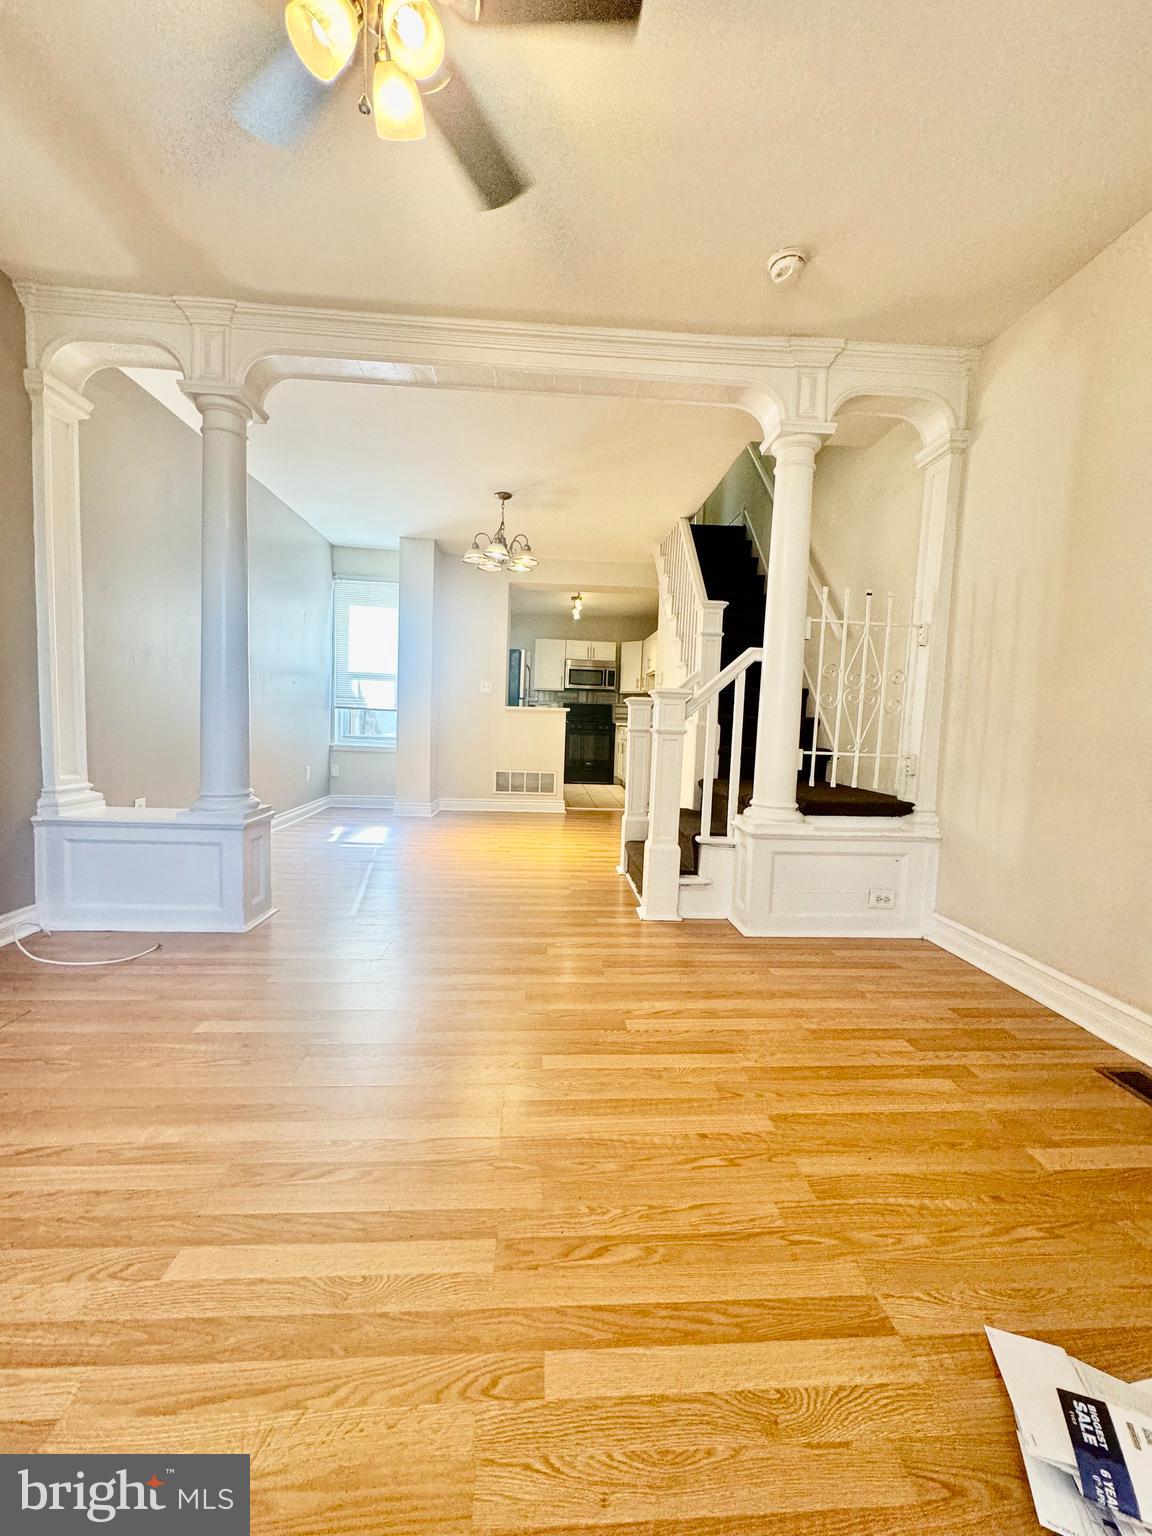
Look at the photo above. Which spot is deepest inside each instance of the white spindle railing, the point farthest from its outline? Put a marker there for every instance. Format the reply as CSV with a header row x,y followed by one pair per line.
x,y
696,619
707,698
857,663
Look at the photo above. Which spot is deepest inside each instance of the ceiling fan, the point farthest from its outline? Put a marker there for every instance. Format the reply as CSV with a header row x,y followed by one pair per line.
x,y
405,73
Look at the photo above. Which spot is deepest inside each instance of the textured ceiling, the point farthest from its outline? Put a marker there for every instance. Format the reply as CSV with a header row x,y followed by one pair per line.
x,y
948,165
594,479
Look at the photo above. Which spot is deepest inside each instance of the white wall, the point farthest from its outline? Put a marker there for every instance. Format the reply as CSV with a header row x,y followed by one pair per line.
x,y
478,734
1045,808
140,519
19,713
866,516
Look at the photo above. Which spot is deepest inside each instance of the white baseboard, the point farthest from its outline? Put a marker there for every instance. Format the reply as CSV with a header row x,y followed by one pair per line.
x,y
415,807
547,804
1118,1023
363,802
18,924
300,812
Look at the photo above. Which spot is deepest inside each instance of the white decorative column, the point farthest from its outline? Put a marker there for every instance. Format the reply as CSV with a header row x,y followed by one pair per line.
x,y
943,464
786,606
57,412
637,776
660,898
225,771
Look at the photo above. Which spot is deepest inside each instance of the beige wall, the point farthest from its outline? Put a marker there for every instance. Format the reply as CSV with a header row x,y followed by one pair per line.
x,y
140,490
380,564
866,517
19,726
477,732
527,628
1045,809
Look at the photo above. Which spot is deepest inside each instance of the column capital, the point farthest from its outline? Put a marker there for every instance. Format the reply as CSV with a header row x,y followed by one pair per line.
x,y
63,401
948,445
212,395
798,442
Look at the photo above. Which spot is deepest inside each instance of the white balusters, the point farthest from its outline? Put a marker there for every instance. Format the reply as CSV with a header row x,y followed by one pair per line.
x,y
637,775
856,668
696,620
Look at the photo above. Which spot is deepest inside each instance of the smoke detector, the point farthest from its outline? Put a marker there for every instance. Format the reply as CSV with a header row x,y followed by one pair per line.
x,y
786,265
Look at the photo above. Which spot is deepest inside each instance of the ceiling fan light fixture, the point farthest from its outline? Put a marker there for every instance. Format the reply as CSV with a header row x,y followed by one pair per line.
x,y
396,103
414,37
323,34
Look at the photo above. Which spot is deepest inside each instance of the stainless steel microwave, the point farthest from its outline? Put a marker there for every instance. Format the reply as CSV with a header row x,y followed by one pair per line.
x,y
589,674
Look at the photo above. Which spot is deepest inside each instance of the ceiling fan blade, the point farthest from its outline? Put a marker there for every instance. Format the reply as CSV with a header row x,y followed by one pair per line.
x,y
543,13
474,142
281,99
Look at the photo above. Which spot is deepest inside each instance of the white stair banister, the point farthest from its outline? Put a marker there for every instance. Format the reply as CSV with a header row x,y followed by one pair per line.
x,y
637,775
661,894
707,698
696,619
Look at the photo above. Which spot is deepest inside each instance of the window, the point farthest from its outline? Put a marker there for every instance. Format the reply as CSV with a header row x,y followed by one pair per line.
x,y
364,664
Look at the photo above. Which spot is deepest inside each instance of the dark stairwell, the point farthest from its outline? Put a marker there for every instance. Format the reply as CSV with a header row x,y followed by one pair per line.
x,y
731,572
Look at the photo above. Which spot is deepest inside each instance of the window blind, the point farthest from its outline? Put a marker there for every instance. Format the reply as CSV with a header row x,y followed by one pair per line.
x,y
364,644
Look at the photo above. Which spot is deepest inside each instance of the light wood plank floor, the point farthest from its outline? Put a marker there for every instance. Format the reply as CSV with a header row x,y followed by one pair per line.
x,y
467,1204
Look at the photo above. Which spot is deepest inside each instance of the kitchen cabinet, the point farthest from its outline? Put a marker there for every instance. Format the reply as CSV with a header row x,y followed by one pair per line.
x,y
631,661
621,751
548,672
648,658
590,650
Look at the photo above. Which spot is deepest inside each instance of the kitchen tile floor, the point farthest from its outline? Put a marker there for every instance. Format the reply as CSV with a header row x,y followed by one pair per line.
x,y
594,797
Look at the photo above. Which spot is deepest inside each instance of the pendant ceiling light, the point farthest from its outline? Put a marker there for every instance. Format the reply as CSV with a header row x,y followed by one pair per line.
x,y
396,103
498,552
323,33
577,607
414,37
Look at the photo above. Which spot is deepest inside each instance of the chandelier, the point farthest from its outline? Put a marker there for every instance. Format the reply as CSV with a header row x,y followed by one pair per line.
x,y
500,553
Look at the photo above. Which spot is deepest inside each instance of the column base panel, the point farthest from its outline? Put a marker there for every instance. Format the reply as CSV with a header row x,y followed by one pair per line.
x,y
847,879
153,871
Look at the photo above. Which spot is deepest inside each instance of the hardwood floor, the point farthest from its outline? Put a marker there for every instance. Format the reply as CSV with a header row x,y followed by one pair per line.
x,y
467,1204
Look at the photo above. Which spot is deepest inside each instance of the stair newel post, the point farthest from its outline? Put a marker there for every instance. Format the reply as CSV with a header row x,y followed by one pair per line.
x,y
709,641
661,896
637,776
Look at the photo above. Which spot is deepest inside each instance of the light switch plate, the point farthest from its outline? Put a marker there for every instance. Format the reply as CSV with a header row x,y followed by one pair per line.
x,y
486,686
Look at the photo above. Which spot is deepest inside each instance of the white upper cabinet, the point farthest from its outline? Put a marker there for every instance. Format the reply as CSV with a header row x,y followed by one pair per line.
x,y
590,650
548,672
631,677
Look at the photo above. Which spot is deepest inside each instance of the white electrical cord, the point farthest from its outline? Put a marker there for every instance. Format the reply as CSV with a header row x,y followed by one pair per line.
x,y
44,960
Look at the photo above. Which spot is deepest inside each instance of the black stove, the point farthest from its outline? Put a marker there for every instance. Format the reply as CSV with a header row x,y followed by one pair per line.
x,y
589,744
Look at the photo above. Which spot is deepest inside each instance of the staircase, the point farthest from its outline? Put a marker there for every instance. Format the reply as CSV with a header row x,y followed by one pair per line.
x,y
730,568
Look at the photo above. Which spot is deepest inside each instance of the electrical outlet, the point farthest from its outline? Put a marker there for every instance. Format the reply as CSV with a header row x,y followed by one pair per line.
x,y
882,900
139,803
486,686
307,773
335,770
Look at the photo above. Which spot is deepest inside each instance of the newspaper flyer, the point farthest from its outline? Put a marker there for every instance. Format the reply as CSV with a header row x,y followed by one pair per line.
x,y
1086,1439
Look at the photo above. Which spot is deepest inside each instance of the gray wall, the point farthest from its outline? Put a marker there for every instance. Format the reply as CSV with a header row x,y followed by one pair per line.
x,y
140,493
19,725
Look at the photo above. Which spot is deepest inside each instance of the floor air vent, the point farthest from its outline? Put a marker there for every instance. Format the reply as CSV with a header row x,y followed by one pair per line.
x,y
1138,1083
515,781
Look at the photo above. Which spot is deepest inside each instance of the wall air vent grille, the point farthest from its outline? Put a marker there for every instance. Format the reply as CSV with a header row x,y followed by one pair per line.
x,y
516,781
